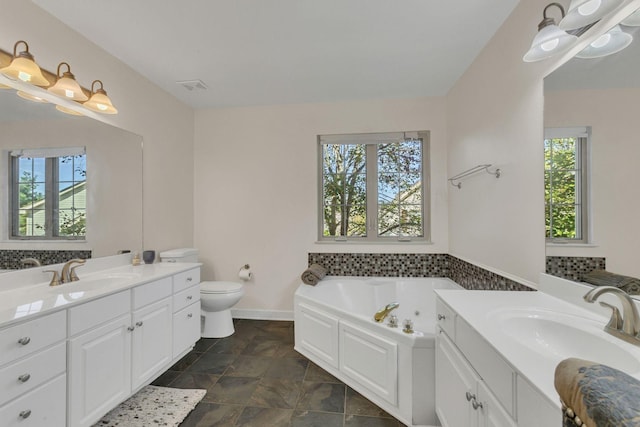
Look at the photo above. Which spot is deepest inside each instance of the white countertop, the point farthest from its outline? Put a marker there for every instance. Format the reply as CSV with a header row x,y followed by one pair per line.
x,y
488,312
21,302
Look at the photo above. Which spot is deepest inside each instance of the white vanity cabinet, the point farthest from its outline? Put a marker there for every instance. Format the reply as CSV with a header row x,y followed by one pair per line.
x,y
186,314
32,372
462,397
151,337
474,385
99,357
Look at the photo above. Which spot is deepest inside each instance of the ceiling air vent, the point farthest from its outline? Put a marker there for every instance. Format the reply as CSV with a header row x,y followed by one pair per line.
x,y
192,85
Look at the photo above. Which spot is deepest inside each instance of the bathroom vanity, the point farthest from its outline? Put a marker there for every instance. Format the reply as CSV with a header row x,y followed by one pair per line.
x,y
70,353
496,354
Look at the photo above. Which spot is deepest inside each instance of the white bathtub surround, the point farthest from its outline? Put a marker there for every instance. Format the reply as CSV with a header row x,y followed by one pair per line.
x,y
334,328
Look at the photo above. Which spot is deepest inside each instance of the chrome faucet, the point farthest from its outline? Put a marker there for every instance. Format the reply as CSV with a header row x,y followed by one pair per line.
x,y
384,312
625,326
30,262
69,273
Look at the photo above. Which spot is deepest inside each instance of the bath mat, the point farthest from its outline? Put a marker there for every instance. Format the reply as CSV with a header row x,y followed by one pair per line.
x,y
153,406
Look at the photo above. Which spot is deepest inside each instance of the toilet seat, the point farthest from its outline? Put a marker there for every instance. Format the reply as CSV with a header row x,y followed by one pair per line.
x,y
220,287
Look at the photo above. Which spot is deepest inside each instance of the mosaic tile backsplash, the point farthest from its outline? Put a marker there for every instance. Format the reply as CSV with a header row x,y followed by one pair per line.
x,y
11,259
413,265
573,268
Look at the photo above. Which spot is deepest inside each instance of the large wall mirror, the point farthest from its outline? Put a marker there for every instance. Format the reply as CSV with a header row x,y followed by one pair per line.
x,y
113,171
602,95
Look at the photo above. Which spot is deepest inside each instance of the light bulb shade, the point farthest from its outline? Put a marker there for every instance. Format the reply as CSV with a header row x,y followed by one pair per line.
x,y
68,110
611,42
549,41
632,20
99,101
584,12
30,97
24,68
67,86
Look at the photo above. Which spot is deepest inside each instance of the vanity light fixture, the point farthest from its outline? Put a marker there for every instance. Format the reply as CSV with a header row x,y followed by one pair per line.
x,y
632,20
99,101
30,97
609,43
550,38
67,86
68,111
585,12
24,67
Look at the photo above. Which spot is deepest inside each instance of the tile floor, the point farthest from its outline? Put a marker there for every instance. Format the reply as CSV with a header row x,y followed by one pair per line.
x,y
256,378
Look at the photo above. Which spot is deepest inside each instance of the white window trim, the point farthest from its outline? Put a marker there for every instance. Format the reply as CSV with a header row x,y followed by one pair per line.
x,y
372,207
586,211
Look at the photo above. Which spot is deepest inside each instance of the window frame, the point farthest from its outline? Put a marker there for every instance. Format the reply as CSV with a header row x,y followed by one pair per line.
x,y
51,181
371,141
582,135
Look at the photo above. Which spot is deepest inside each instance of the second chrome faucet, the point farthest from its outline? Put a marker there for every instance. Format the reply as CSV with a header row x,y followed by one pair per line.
x,y
68,273
626,325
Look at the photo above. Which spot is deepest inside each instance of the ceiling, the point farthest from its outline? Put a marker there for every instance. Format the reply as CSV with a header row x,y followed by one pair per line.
x,y
262,52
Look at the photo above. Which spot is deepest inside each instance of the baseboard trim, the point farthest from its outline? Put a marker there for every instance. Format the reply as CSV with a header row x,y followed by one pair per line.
x,y
241,313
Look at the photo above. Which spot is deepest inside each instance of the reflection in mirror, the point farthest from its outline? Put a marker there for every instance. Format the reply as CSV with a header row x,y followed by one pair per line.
x,y
113,181
601,95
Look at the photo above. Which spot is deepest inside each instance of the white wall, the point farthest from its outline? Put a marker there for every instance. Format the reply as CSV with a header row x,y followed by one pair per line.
x,y
494,115
165,124
615,151
256,172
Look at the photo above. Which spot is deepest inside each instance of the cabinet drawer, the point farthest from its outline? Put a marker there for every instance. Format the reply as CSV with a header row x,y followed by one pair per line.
x,y
27,374
498,375
25,338
446,318
186,297
186,328
43,406
186,279
91,314
151,292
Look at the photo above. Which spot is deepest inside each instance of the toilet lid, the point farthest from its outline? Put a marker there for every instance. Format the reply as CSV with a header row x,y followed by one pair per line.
x,y
220,287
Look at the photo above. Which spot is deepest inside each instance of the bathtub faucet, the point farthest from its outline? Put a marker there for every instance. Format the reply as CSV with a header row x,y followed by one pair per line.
x,y
384,312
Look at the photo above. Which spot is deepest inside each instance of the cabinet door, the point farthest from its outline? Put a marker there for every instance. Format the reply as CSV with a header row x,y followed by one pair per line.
x,y
317,333
151,341
186,328
369,360
491,413
454,379
99,371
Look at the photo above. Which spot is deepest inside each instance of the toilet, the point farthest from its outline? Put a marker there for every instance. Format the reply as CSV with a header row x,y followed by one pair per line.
x,y
216,297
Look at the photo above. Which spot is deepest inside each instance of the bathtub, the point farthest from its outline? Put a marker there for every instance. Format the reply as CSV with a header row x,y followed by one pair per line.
x,y
334,328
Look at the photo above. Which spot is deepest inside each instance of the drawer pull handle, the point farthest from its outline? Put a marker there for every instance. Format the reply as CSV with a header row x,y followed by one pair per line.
x,y
190,297
24,378
441,317
190,315
139,323
470,396
131,328
189,279
476,405
24,340
25,414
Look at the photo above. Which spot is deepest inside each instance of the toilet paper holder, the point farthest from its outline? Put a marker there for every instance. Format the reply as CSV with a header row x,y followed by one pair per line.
x,y
245,273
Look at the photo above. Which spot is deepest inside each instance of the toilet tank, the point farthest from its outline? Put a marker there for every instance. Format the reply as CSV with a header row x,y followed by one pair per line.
x,y
179,255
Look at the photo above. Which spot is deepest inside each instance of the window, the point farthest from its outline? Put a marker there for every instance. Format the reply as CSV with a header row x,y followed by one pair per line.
x,y
48,193
373,188
565,185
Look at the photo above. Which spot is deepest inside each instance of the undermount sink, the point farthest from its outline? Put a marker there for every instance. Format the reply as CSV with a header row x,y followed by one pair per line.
x,y
558,336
